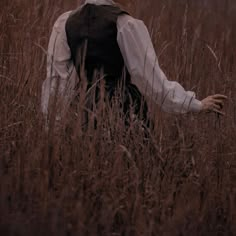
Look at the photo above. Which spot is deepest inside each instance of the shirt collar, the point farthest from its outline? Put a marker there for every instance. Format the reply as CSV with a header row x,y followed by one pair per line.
x,y
96,2
100,2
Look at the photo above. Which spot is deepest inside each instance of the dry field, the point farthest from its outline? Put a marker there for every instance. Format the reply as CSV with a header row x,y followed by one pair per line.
x,y
179,182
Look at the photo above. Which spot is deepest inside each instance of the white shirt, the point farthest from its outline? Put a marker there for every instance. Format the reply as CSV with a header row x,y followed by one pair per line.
x,y
140,59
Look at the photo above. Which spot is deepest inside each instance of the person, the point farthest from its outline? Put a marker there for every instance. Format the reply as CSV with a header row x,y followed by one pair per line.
x,y
99,36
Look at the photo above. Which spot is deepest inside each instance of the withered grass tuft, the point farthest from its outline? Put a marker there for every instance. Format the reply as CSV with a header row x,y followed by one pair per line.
x,y
110,180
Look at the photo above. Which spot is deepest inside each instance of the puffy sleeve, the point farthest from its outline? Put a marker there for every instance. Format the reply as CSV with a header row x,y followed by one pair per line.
x,y
61,74
142,63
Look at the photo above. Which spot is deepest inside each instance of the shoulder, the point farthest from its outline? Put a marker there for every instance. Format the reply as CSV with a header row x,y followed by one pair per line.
x,y
61,21
126,20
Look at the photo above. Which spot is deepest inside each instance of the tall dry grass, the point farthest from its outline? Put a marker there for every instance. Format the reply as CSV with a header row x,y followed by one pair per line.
x,y
110,180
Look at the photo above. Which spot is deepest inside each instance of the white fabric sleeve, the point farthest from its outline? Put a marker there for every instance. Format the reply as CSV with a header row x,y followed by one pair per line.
x,y
142,63
61,74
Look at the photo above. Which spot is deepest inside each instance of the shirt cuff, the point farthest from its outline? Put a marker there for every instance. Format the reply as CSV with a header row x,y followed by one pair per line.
x,y
196,106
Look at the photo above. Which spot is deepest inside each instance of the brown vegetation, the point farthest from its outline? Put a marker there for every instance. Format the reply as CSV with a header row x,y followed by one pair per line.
x,y
179,182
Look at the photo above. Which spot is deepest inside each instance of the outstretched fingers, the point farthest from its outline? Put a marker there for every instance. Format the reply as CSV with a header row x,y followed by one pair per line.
x,y
218,112
219,102
214,103
219,97
216,106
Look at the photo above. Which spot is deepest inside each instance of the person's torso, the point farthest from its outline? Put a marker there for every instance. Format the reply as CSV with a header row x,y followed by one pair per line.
x,y
92,38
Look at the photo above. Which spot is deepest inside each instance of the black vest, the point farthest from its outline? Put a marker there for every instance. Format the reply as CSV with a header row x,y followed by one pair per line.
x,y
92,38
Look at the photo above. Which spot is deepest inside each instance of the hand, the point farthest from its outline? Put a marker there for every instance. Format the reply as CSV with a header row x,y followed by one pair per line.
x,y
214,103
